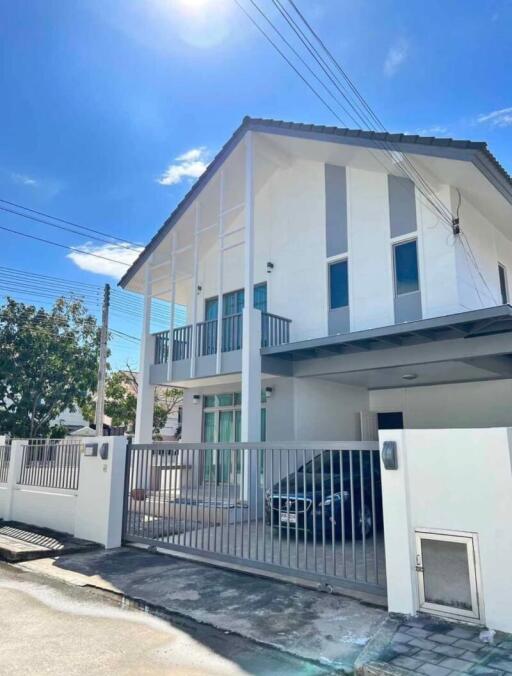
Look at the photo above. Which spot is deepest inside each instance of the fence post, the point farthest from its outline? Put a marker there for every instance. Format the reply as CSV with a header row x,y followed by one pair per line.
x,y
99,509
13,475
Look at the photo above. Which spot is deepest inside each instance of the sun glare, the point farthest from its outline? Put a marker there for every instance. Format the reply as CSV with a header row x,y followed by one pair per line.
x,y
195,5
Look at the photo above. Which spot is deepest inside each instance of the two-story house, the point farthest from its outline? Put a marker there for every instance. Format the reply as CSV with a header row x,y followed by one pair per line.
x,y
325,295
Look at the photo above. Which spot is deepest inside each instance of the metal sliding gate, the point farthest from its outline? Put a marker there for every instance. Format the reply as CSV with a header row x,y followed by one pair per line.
x,y
305,511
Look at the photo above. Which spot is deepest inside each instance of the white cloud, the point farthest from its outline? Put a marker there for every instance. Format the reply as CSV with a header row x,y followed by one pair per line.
x,y
432,131
498,118
119,254
24,179
396,55
190,164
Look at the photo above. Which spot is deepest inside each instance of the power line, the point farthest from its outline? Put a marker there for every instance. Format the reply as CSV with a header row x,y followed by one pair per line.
x,y
49,277
440,208
66,229
383,144
76,225
63,246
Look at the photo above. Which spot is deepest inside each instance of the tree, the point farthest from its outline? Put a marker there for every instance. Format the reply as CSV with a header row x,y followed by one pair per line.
x,y
48,363
121,391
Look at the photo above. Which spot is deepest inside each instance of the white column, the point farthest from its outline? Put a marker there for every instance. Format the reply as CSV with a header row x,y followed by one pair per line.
x,y
99,505
13,475
220,272
145,395
173,306
251,343
194,294
251,358
400,560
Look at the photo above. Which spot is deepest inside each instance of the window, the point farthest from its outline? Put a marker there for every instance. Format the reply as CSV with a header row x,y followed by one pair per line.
x,y
260,297
211,308
406,268
233,302
503,283
338,284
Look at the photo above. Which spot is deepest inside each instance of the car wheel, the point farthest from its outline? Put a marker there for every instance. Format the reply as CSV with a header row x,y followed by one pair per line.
x,y
364,522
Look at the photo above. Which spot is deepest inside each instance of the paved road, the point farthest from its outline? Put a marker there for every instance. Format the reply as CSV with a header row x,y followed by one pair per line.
x,y
47,627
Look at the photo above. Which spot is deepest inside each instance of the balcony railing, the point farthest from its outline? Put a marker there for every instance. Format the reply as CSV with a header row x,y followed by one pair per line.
x,y
206,338
275,330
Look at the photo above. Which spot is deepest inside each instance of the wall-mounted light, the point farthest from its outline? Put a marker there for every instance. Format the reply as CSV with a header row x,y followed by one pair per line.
x,y
270,266
199,288
409,376
196,398
268,392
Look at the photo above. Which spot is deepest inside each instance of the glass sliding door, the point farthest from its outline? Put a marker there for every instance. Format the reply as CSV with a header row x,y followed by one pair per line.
x,y
209,455
226,432
222,423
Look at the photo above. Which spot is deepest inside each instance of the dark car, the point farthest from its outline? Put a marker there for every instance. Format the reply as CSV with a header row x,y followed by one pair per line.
x,y
333,497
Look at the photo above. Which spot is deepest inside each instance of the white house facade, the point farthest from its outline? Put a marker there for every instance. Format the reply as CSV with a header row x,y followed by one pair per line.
x,y
325,295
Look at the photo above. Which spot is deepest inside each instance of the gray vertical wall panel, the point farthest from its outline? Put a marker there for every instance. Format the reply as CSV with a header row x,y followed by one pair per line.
x,y
335,210
402,205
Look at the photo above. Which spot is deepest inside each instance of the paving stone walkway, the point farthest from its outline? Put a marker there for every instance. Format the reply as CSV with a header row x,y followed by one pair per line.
x,y
429,646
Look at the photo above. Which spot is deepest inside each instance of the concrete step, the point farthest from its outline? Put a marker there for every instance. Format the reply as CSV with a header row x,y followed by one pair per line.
x,y
22,542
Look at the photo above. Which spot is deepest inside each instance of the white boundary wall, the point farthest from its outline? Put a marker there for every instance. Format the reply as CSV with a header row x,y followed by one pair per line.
x,y
456,480
93,512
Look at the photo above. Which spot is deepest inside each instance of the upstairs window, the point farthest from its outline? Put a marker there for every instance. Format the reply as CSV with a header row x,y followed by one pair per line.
x,y
260,297
233,302
503,283
406,268
338,284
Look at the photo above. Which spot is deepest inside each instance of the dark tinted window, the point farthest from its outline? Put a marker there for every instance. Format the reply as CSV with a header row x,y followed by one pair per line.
x,y
503,284
338,284
406,268
260,297
390,421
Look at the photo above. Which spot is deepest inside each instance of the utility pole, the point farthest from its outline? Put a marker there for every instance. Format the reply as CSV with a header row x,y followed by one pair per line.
x,y
102,368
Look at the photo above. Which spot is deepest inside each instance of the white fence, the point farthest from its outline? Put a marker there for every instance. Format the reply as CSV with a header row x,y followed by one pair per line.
x,y
70,487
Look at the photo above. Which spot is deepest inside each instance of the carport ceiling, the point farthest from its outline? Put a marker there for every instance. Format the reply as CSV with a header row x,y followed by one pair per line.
x,y
420,374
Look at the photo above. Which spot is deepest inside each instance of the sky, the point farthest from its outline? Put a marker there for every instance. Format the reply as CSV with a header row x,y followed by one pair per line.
x,y
110,109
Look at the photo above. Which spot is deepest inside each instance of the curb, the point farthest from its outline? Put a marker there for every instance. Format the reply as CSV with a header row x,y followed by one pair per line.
x,y
367,663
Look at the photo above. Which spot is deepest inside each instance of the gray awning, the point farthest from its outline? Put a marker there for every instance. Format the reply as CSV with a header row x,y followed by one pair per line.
x,y
467,325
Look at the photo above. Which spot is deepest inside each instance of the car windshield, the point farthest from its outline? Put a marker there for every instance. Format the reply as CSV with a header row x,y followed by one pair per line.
x,y
323,461
328,459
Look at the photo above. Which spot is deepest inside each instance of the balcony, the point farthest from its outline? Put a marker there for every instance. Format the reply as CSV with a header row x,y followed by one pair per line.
x,y
275,330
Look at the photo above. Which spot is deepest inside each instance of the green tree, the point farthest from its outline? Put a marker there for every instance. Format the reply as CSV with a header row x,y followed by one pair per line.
x,y
121,402
48,363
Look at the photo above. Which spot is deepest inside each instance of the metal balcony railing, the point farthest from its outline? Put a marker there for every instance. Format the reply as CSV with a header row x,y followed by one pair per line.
x,y
275,330
206,338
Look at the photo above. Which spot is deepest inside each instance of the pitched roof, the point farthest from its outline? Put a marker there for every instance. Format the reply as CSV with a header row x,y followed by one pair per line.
x,y
474,151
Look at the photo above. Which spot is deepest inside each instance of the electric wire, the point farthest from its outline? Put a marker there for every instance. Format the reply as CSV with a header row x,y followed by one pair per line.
x,y
355,106
77,225
72,230
383,144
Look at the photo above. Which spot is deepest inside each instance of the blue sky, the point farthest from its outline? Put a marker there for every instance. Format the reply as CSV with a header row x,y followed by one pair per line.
x,y
109,110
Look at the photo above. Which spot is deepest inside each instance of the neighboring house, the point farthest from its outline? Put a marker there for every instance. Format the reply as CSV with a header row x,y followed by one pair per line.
x,y
73,420
172,429
368,310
